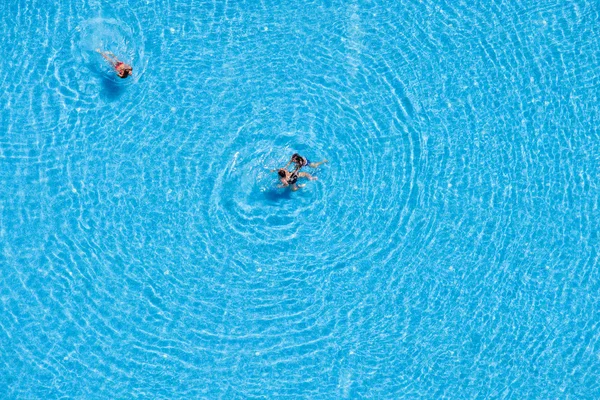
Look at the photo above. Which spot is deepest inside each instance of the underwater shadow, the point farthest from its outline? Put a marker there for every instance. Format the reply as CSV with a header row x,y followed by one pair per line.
x,y
277,195
111,89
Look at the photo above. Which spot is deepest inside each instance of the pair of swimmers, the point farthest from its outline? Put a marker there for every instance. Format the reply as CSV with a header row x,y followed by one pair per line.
x,y
123,70
288,178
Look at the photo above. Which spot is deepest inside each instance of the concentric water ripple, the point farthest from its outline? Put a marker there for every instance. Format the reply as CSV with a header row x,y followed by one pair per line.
x,y
81,75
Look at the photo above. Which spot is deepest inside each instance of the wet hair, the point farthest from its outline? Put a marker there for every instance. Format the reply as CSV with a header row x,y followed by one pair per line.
x,y
281,173
295,157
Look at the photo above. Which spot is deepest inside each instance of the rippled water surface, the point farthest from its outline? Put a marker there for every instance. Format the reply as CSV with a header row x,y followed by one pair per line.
x,y
449,249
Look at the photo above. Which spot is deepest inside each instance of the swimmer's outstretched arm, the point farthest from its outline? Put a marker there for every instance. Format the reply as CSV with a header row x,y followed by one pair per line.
x,y
285,167
288,164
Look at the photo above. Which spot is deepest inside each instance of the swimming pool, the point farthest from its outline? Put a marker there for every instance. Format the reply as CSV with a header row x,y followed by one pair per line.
x,y
448,248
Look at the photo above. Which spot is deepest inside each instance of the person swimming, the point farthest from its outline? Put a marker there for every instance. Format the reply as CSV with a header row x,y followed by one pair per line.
x,y
302,162
123,70
288,178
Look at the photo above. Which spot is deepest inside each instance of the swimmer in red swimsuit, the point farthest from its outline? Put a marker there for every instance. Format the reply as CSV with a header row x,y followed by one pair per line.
x,y
123,70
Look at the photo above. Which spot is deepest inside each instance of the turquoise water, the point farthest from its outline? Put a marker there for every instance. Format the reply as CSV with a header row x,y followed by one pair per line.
x,y
449,249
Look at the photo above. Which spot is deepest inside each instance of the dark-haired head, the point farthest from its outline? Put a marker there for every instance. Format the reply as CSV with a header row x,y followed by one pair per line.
x,y
295,157
281,173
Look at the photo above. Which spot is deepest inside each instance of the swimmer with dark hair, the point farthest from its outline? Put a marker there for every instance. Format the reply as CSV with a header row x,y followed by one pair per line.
x,y
288,178
301,162
123,70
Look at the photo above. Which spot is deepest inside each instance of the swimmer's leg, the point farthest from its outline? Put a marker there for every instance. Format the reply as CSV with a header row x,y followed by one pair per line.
x,y
106,55
307,176
316,164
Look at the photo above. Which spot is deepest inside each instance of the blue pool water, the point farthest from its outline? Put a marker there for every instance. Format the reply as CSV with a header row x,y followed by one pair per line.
x,y
449,249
